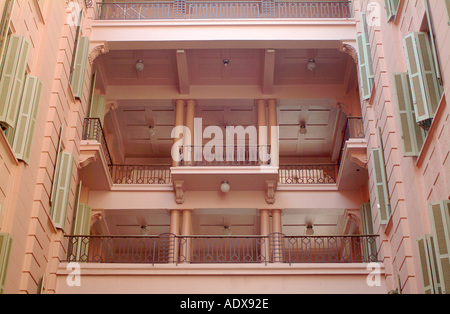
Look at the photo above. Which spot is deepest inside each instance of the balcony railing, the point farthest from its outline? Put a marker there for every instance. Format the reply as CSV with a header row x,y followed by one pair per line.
x,y
308,174
275,248
141,174
92,131
247,155
180,9
355,128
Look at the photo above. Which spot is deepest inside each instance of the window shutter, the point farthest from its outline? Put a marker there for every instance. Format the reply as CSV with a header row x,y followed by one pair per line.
x,y
447,8
98,108
365,59
12,79
57,163
6,242
4,26
365,213
440,222
391,7
81,58
412,135
381,189
60,205
422,75
26,122
428,265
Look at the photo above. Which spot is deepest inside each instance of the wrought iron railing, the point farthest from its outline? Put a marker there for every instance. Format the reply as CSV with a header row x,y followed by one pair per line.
x,y
180,9
274,248
245,155
308,174
141,174
355,128
93,131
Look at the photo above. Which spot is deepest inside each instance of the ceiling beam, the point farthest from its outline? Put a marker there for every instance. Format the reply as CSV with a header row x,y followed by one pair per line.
x,y
269,70
183,72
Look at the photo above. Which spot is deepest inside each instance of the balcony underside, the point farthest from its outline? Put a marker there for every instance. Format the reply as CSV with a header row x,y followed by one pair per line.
x,y
221,279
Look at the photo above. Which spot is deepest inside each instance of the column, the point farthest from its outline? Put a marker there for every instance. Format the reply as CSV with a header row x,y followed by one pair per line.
x,y
265,231
273,132
172,248
262,131
277,236
185,252
179,121
189,138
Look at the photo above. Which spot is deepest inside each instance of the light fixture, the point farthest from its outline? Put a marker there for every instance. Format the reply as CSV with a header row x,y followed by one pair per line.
x,y
226,62
225,187
303,129
227,230
144,230
311,64
309,230
140,65
151,131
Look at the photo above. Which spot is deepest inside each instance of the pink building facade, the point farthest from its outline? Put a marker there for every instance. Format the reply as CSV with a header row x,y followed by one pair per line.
x,y
224,147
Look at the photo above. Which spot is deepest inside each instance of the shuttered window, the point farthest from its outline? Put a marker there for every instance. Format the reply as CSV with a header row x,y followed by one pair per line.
x,y
391,7
428,265
6,242
79,67
412,136
26,122
440,223
422,75
365,59
4,26
365,214
13,78
447,8
60,204
381,187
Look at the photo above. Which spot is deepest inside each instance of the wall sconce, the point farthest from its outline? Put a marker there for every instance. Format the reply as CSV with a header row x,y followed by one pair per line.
x,y
151,131
225,187
226,62
303,129
226,230
140,65
311,65
144,230
309,230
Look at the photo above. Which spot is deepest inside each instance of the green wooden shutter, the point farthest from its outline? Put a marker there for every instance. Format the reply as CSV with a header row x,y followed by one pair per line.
x,y
4,26
6,242
412,135
365,59
447,8
381,188
428,264
62,195
440,222
365,213
12,79
98,108
391,7
26,122
57,163
81,59
422,75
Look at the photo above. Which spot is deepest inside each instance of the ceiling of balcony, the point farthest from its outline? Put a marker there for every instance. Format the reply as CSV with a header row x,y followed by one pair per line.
x,y
175,70
244,221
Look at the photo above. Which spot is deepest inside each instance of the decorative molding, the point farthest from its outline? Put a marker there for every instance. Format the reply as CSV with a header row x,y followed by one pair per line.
x,y
359,158
270,192
350,50
343,107
96,52
179,192
86,157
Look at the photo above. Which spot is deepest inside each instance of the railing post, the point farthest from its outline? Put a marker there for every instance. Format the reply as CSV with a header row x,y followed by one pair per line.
x,y
268,8
179,9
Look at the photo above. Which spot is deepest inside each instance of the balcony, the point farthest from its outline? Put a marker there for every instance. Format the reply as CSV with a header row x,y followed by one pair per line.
x,y
208,162
193,10
171,249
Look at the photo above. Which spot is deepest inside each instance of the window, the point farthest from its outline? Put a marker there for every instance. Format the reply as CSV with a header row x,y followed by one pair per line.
x,y
391,7
412,136
6,242
365,59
